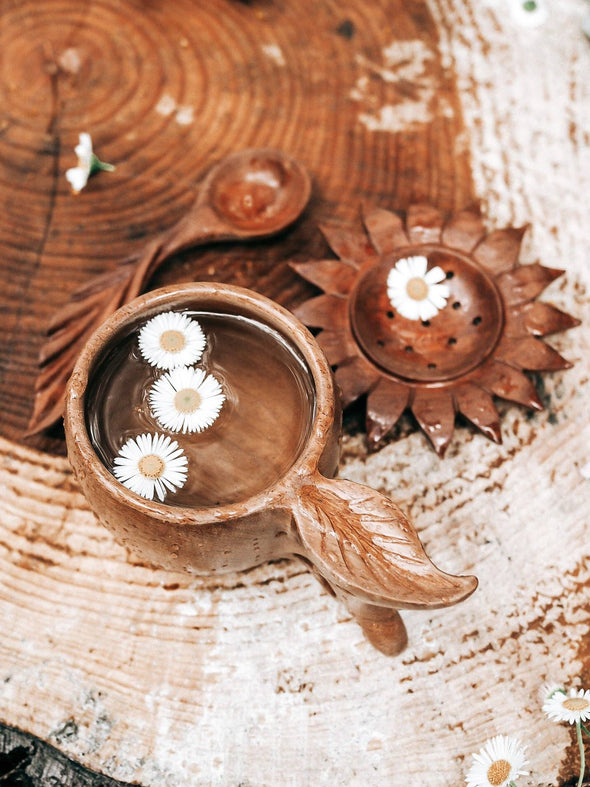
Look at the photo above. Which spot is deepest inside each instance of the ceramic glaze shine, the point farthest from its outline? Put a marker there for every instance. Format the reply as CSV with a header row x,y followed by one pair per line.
x,y
261,429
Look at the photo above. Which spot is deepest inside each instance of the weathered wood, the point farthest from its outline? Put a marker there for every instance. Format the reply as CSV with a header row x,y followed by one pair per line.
x,y
260,677
26,761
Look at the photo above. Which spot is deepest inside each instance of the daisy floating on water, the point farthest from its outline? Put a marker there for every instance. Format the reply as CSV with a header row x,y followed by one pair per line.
x,y
88,164
498,764
171,339
151,464
186,400
415,292
573,708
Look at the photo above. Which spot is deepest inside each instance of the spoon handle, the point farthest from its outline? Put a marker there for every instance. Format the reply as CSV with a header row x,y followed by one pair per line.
x,y
200,225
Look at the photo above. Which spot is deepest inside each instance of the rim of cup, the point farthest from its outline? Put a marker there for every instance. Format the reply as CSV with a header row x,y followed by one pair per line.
x,y
231,300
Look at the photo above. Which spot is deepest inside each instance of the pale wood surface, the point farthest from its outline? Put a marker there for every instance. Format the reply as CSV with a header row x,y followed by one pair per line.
x,y
261,678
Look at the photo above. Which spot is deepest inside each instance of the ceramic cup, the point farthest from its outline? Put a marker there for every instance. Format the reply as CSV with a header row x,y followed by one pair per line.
x,y
359,543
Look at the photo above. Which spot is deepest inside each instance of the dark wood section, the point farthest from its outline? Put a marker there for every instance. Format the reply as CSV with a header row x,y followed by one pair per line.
x,y
27,761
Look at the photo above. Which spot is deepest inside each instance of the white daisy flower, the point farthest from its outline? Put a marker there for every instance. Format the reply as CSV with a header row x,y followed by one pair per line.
x,y
186,400
573,707
151,464
415,292
171,339
498,764
529,13
88,164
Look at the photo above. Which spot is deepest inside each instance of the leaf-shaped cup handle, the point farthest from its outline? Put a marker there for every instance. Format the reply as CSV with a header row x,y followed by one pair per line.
x,y
367,551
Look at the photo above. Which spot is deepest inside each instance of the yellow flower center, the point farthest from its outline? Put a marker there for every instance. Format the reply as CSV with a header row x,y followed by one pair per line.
x,y
172,341
498,772
417,289
151,466
576,703
187,400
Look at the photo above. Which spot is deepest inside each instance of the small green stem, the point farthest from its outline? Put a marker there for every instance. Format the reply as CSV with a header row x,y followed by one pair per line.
x,y
511,784
96,165
581,748
586,730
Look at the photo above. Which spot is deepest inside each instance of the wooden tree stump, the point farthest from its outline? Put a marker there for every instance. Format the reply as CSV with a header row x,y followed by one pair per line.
x,y
262,678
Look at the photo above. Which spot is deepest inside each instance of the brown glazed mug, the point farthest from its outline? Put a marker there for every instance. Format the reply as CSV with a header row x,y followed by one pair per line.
x,y
356,541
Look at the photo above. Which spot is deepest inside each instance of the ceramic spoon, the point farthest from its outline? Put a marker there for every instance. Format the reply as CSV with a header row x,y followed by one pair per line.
x,y
251,194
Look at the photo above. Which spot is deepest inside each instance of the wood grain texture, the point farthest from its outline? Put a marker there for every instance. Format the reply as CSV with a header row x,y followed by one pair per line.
x,y
261,678
165,93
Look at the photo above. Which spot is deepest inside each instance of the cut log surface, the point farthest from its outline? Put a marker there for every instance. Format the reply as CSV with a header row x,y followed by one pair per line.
x,y
261,678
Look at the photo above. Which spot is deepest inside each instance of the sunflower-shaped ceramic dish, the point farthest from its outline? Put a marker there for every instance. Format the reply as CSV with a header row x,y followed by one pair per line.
x,y
433,315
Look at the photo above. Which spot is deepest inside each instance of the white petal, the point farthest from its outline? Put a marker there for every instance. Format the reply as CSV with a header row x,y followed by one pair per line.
x,y
396,279
434,275
410,309
396,293
84,150
438,295
418,265
77,177
404,268
426,309
161,488
85,141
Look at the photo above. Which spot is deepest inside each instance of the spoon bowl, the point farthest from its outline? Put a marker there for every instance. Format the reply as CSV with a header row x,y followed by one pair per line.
x,y
257,192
